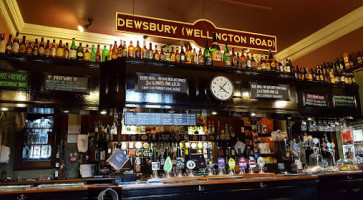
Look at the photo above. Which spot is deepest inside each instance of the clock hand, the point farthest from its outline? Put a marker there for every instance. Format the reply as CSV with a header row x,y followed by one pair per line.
x,y
221,88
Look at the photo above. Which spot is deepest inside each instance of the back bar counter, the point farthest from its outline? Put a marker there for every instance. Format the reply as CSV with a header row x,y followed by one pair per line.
x,y
122,87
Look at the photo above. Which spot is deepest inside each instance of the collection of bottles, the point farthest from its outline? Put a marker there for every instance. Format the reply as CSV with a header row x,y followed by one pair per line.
x,y
232,59
334,72
219,130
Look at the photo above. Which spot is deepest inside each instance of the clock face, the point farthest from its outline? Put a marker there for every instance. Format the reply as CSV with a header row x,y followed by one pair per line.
x,y
222,88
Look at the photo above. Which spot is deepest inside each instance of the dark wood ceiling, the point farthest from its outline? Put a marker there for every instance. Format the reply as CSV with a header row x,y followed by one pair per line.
x,y
290,21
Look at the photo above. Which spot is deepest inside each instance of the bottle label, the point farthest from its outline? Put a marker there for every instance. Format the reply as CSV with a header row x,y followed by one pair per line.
x,y
46,52
244,64
172,57
249,64
228,61
3,46
124,53
144,55
15,48
80,54
201,60
217,55
53,52
208,60
268,67
60,52
234,61
138,54
35,51
177,58
66,54
188,57
22,49
195,60
72,54
93,57
150,55
167,57
157,56
29,51
41,50
87,56
273,65
182,58
132,53
114,56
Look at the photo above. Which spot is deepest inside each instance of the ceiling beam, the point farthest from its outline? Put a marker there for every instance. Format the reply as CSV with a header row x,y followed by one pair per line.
x,y
344,25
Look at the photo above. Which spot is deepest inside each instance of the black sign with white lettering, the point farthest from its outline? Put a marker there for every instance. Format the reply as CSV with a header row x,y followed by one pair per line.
x,y
13,80
66,83
315,100
344,101
262,91
177,119
161,83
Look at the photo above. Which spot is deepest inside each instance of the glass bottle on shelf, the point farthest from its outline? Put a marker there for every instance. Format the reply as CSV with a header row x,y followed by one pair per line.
x,y
138,50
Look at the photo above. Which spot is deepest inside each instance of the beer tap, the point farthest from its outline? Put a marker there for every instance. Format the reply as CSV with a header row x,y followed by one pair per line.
x,y
179,162
231,163
155,165
190,164
209,163
242,162
221,163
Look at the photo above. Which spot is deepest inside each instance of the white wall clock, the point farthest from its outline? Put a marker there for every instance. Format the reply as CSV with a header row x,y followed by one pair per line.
x,y
221,88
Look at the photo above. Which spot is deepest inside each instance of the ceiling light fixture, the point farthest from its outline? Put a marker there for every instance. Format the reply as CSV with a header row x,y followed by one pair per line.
x,y
103,112
4,109
86,26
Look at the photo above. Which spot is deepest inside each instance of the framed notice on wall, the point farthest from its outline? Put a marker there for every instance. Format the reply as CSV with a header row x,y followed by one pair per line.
x,y
66,83
161,83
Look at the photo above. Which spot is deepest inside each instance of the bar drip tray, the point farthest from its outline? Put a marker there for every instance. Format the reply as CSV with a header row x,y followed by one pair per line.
x,y
15,187
60,186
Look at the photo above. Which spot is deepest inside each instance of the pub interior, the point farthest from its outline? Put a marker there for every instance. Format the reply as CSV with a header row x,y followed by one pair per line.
x,y
110,100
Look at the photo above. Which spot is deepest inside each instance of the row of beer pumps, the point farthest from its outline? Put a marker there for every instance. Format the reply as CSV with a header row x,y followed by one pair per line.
x,y
205,165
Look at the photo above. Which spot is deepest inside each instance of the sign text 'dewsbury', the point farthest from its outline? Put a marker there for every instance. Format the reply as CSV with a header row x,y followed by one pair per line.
x,y
199,31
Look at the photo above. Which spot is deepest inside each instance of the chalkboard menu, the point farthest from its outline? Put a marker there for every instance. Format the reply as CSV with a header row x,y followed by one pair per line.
x,y
13,80
161,83
180,119
315,100
344,101
263,91
66,83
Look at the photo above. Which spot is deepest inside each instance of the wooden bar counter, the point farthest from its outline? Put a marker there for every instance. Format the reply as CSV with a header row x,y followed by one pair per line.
x,y
267,186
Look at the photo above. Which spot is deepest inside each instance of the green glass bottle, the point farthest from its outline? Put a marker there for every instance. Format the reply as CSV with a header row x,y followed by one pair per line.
x,y
73,50
93,54
227,57
104,54
167,54
207,55
215,50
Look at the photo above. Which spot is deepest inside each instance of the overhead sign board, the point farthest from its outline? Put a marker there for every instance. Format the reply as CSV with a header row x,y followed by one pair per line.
x,y
315,100
198,32
161,83
66,83
264,91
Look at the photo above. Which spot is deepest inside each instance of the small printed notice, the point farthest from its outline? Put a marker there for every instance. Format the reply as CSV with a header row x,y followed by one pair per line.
x,y
344,101
315,100
66,83
262,91
13,80
161,83
118,159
